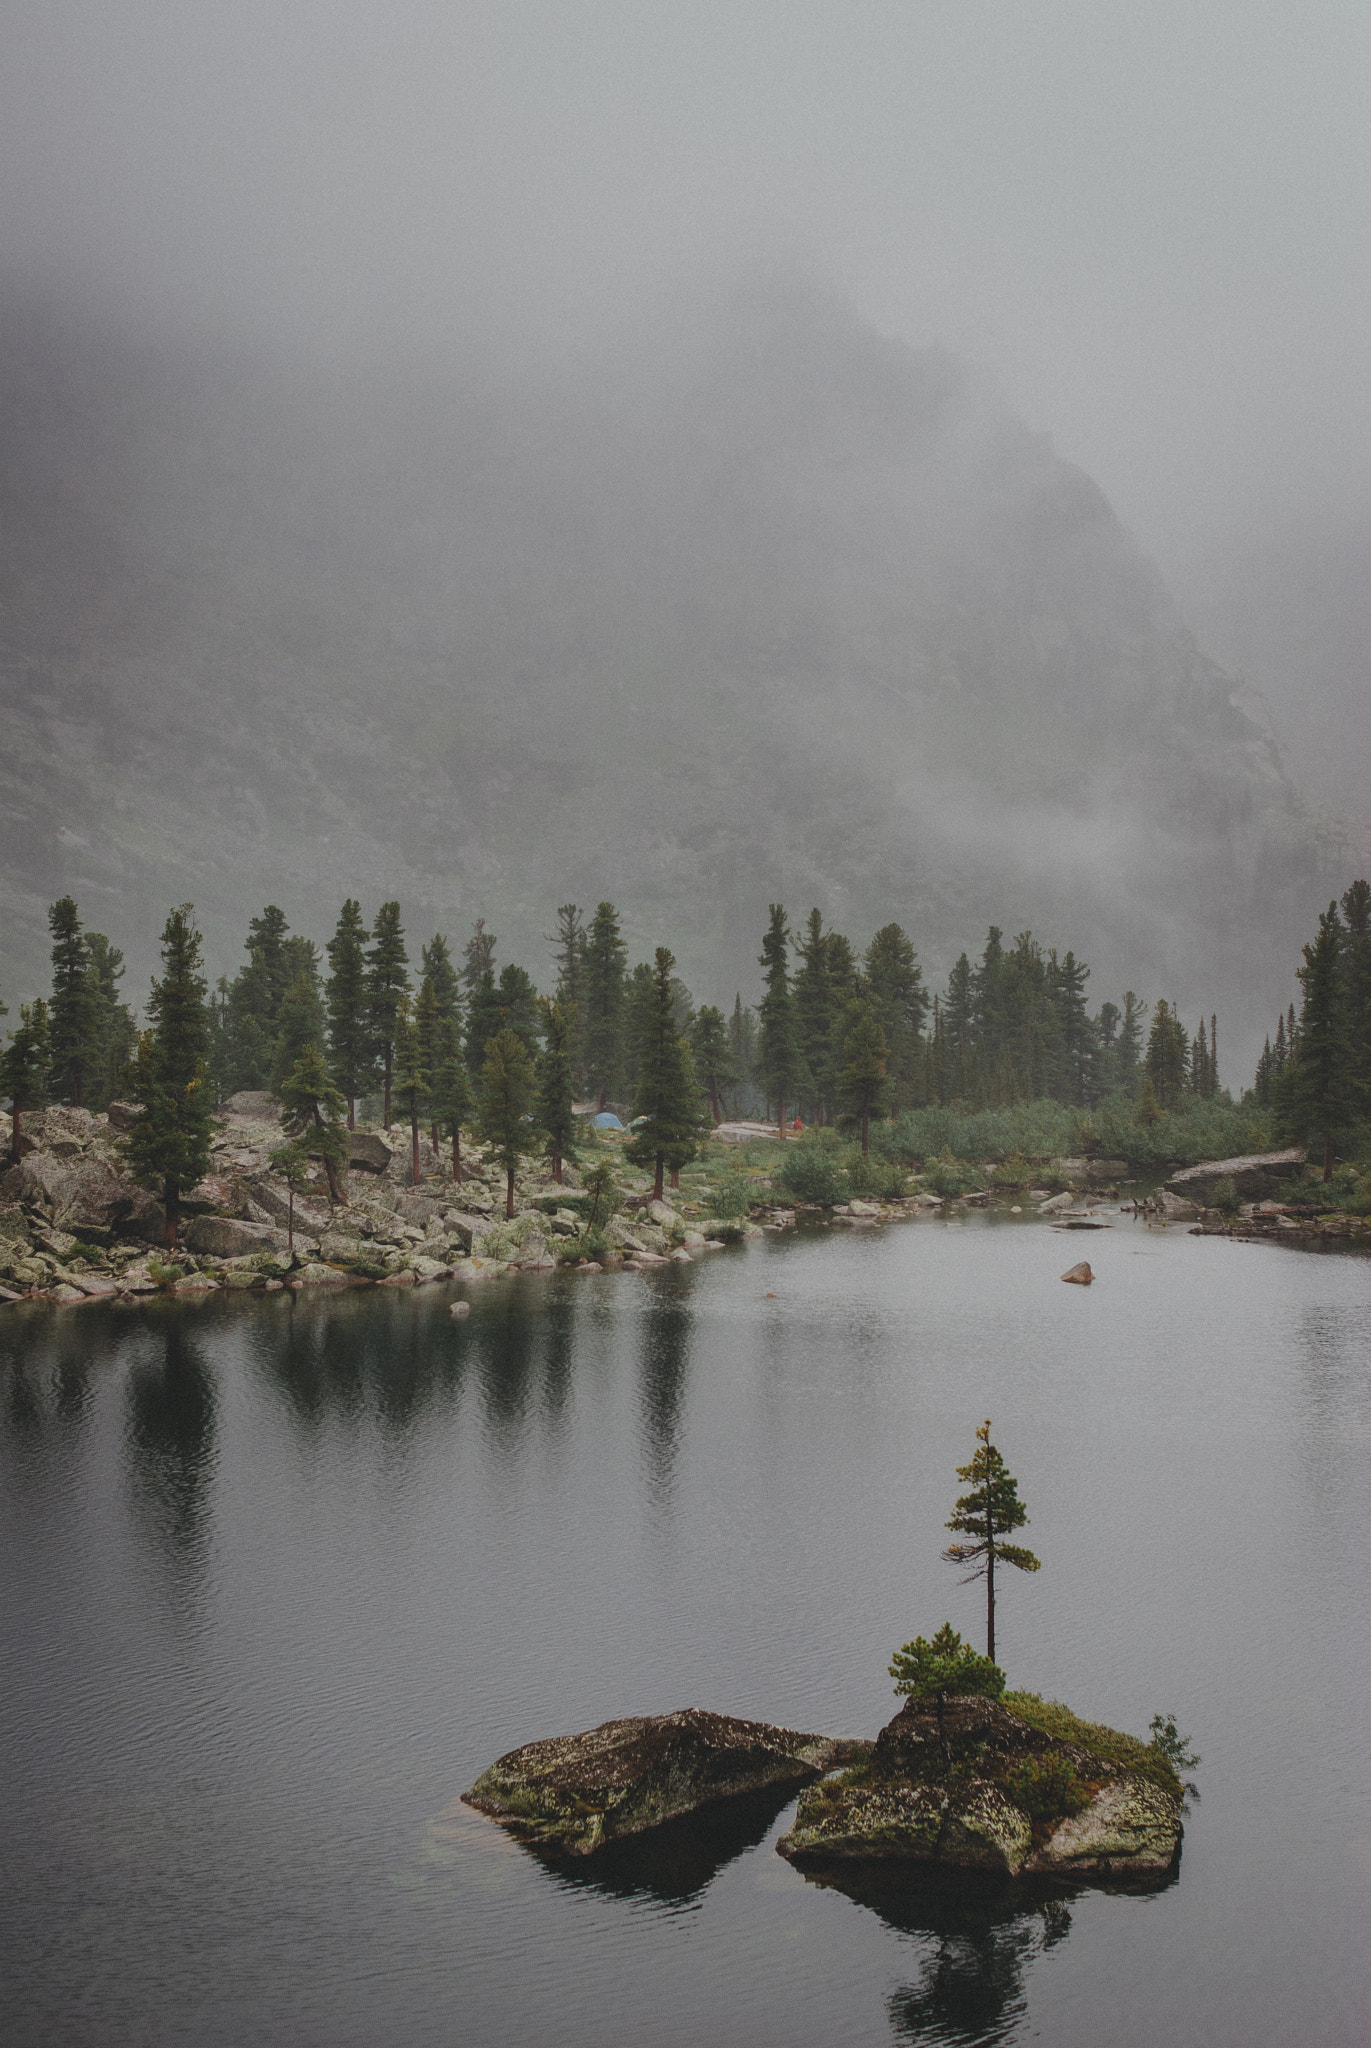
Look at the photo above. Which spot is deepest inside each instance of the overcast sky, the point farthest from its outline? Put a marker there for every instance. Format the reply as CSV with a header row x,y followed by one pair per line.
x,y
1149,220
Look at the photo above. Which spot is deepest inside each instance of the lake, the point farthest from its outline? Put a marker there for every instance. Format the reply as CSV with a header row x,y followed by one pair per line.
x,y
282,1575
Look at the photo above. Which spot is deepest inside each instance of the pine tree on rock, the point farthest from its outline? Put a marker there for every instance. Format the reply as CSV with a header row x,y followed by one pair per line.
x,y
291,1162
709,1049
556,1076
267,939
509,1088
666,1107
411,1079
990,1511
433,1027
387,987
168,1144
350,1043
451,1101
483,1019
24,1068
863,1082
312,1113
779,1049
73,1049
300,1025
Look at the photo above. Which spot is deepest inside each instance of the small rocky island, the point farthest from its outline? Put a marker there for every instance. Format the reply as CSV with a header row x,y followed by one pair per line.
x,y
1010,1787
1005,1788
574,1794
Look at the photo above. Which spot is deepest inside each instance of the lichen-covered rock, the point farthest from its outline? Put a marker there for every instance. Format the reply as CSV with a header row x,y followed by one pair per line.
x,y
575,1793
225,1237
368,1151
984,1790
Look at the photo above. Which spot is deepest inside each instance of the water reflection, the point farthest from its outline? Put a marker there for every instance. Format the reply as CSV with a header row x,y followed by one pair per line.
x,y
47,1363
673,1865
663,1367
170,1432
970,1987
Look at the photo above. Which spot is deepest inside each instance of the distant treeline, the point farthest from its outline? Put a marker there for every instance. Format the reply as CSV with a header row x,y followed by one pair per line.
x,y
838,1035
1315,1076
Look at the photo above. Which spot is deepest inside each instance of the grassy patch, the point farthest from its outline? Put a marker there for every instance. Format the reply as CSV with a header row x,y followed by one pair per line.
x,y
1126,1752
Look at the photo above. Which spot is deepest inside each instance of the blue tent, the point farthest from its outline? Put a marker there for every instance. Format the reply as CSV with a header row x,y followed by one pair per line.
x,y
605,1120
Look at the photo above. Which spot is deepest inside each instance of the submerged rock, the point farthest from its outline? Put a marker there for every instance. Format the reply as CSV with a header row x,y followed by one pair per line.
x,y
988,1790
575,1793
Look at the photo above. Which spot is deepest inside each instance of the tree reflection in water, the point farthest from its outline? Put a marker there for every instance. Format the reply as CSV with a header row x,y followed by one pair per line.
x,y
169,1434
665,1361
671,1866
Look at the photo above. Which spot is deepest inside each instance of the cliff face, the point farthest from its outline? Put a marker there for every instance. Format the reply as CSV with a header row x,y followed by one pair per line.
x,y
777,609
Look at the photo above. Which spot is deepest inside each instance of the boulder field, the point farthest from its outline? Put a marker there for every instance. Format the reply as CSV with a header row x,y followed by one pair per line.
x,y
1000,1789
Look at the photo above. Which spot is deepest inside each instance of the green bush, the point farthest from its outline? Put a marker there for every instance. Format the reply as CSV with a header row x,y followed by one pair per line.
x,y
1045,1787
948,1176
733,1193
1126,1751
725,1229
1223,1196
876,1177
811,1173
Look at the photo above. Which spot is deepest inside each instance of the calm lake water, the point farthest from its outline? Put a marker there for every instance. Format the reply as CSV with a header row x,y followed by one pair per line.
x,y
279,1578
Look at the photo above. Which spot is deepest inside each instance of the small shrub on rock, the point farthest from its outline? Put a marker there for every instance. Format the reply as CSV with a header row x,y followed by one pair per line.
x,y
1223,1196
1046,1788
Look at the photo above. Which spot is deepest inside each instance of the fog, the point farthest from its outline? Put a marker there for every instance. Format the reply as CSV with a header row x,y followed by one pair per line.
x,y
1143,229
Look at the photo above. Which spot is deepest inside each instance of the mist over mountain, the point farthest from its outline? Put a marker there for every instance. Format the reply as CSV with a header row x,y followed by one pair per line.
x,y
753,605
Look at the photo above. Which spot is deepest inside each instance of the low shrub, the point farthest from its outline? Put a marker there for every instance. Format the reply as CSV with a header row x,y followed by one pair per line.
x,y
948,1176
1223,1196
732,1194
811,1173
725,1229
1126,1751
1045,1787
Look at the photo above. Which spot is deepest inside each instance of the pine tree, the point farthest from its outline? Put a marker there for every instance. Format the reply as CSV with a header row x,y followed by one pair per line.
x,y
863,1083
1356,910
451,1102
434,1029
483,1018
519,1005
606,959
959,1027
291,1162
387,986
350,1045
411,1077
509,1089
991,1510
1213,1054
569,952
1128,1058
1316,1097
709,1049
478,957
779,1048
1199,1062
894,985
73,1049
267,939
442,976
312,1114
116,1034
300,1024
1168,1056
665,1109
637,1027
1077,1036
556,1079
25,1066
1279,1051
168,1143
742,1048
1261,1084
816,1015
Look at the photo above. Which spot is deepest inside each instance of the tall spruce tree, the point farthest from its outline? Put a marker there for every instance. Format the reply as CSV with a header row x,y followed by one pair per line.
x,y
312,1115
556,1072
442,976
1129,1054
863,1081
817,1008
412,1076
519,1005
387,987
1316,1097
25,1067
742,1051
894,987
1168,1056
1356,981
709,1048
73,1044
116,1034
434,1027
778,1052
1075,1031
168,1144
989,1512
569,952
300,1024
509,1089
267,938
606,961
350,1043
483,1019
451,1102
959,1026
666,1110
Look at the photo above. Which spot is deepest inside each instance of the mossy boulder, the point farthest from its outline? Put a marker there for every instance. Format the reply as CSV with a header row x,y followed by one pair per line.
x,y
574,1794
1013,1787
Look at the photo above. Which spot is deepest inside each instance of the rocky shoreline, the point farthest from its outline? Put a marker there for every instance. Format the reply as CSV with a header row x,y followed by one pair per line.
x,y
75,1228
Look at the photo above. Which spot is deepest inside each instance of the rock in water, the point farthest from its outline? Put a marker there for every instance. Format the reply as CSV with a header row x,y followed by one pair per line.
x,y
575,1793
990,1791
1081,1275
